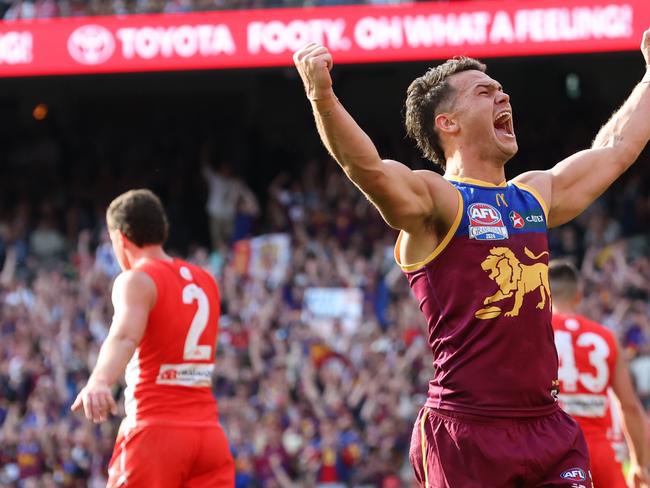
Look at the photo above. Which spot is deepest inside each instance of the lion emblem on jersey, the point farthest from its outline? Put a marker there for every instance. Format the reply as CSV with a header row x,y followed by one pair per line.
x,y
514,280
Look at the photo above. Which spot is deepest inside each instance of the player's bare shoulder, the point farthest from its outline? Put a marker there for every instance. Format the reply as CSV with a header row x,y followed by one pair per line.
x,y
445,195
134,286
436,180
442,192
539,180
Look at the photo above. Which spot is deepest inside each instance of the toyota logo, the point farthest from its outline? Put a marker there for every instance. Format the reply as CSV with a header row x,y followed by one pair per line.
x,y
91,44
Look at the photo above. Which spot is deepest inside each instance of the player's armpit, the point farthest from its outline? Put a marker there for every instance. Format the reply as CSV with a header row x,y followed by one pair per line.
x,y
406,199
577,181
574,183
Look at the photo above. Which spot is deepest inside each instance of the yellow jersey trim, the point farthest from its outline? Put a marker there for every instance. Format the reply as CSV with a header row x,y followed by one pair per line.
x,y
441,245
424,448
473,181
537,196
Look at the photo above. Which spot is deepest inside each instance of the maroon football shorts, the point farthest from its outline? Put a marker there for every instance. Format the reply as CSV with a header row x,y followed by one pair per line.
x,y
452,450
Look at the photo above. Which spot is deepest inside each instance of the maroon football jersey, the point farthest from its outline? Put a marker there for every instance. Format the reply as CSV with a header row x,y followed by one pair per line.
x,y
485,294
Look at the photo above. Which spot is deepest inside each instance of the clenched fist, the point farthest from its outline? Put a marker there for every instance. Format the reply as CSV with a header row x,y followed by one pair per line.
x,y
314,63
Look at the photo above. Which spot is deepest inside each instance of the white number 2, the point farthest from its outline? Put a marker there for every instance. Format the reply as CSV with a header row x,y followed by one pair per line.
x,y
568,372
192,350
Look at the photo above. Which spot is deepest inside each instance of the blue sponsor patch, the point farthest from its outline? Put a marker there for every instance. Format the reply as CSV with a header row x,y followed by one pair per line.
x,y
574,474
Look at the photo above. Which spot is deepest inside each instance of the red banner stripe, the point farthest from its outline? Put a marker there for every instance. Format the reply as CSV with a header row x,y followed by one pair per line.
x,y
355,34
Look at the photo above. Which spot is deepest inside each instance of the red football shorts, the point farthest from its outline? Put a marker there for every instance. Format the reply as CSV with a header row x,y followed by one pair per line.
x,y
451,450
171,457
606,471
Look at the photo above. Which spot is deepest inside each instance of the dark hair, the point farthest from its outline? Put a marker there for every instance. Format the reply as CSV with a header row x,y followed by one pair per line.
x,y
564,279
140,216
424,97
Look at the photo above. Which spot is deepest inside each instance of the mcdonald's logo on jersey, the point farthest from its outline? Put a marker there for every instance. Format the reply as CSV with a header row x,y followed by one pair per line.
x,y
485,223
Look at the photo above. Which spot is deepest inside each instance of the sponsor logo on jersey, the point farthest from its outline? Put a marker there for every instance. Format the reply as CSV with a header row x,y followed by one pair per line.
x,y
535,219
185,374
516,219
574,474
584,404
485,223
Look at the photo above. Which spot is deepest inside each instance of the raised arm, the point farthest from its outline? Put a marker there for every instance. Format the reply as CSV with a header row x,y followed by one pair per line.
x,y
405,198
134,294
574,183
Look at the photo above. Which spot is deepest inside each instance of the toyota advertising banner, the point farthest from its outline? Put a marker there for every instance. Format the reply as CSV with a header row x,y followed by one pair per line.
x,y
355,34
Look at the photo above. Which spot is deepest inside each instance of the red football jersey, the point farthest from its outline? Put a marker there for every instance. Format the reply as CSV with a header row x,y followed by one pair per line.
x,y
169,377
587,355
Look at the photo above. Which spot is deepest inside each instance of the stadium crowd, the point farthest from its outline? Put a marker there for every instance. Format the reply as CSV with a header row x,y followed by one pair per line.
x,y
305,400
302,405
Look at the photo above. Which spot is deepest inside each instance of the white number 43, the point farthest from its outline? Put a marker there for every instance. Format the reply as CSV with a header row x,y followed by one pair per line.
x,y
568,372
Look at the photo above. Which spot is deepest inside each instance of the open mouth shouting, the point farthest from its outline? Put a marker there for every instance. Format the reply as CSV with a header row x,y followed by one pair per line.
x,y
503,125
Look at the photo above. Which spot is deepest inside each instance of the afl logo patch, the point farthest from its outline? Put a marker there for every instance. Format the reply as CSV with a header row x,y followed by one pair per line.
x,y
485,223
574,474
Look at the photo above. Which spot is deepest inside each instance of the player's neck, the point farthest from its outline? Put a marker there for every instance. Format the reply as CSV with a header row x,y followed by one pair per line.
x,y
476,169
149,252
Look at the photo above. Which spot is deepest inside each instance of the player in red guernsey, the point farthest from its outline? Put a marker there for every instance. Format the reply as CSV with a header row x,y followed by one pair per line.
x,y
474,249
590,364
165,327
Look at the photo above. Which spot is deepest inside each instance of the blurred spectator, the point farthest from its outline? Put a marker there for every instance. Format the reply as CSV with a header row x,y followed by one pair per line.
x,y
311,392
304,403
231,207
299,404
